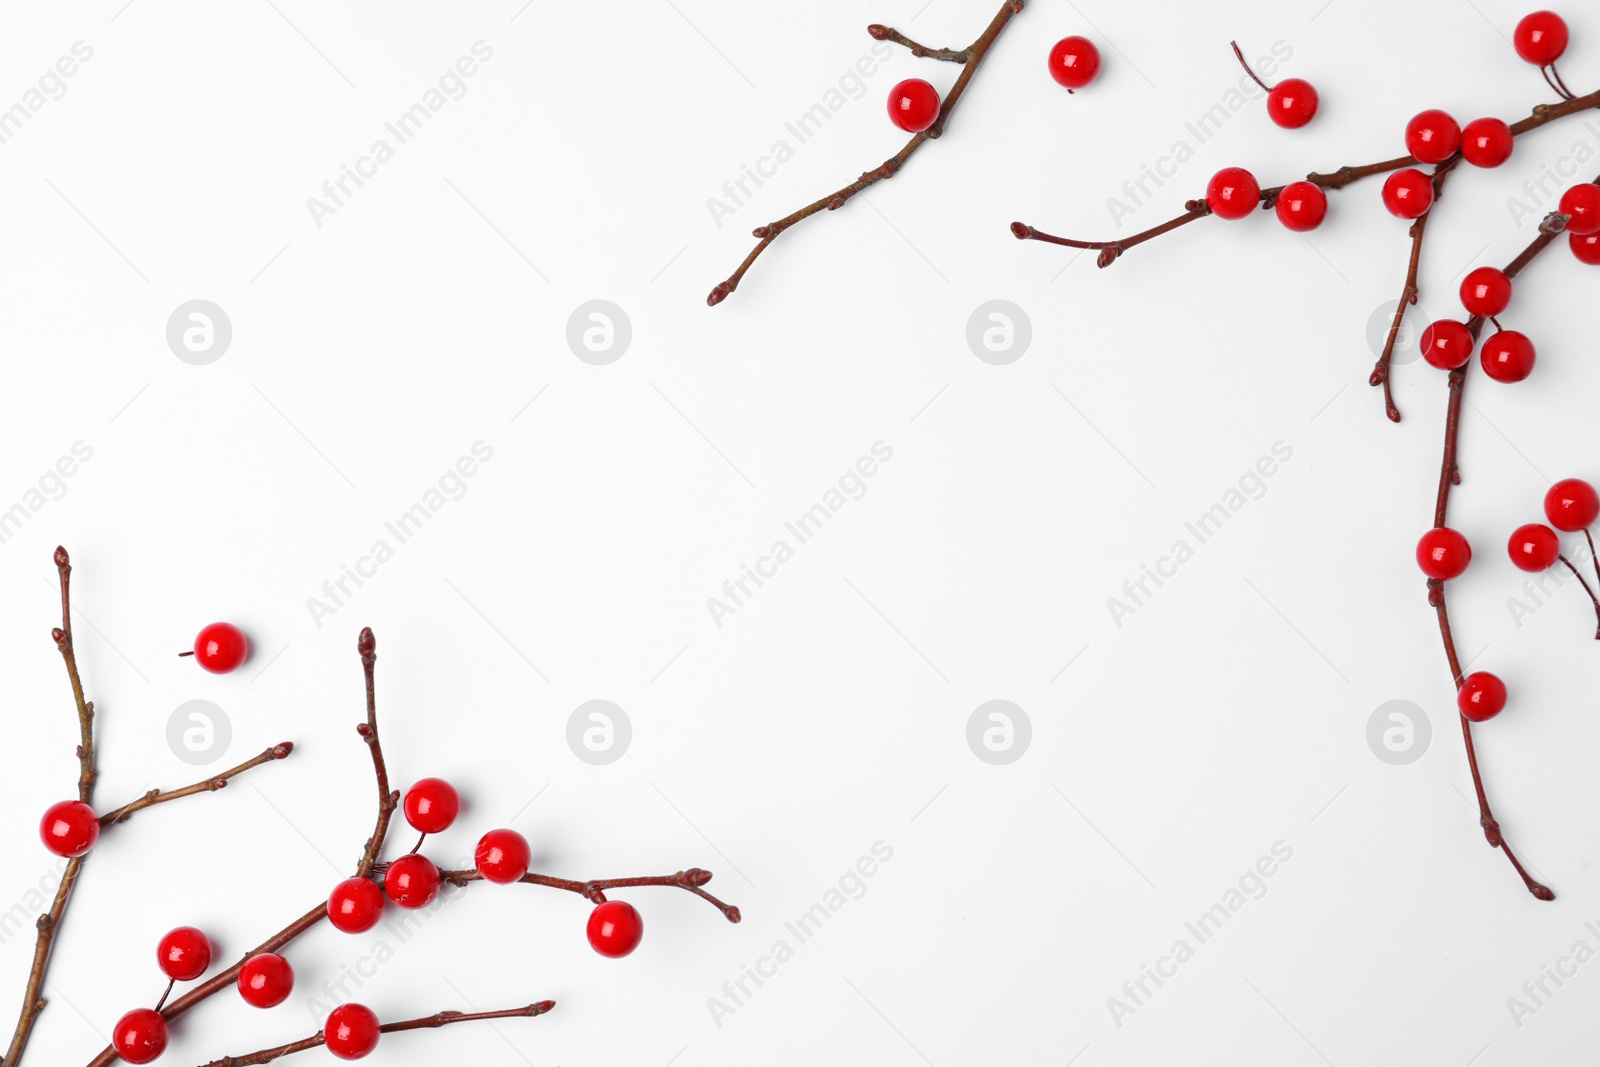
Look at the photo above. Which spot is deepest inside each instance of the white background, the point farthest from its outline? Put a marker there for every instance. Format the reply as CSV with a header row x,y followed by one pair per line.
x,y
830,712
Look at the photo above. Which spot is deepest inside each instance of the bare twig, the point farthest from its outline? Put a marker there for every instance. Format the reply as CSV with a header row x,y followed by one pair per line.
x,y
594,891
388,799
208,785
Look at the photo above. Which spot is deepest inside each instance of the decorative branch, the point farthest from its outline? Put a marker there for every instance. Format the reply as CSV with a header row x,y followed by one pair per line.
x,y
430,1022
63,640
209,785
594,891
388,799
970,58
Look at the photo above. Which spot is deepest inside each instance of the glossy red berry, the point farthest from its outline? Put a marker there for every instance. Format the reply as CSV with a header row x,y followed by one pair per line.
x,y
1582,203
184,954
1485,292
1408,193
412,881
1232,193
503,856
1486,142
1302,206
432,805
221,647
1572,505
266,980
1432,136
1540,38
355,905
615,928
1074,62
1443,554
1447,344
913,105
69,828
1292,103
1482,696
1508,356
351,1031
1586,246
1534,547
140,1036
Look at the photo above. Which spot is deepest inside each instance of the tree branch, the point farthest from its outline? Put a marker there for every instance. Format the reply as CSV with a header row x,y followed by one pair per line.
x,y
594,891
209,785
949,55
388,799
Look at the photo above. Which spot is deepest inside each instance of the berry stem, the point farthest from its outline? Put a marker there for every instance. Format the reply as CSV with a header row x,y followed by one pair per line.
x,y
1248,69
1593,559
162,1002
835,200
1581,581
429,1022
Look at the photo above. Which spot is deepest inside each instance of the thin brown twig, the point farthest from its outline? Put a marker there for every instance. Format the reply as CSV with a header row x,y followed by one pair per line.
x,y
1248,69
208,785
594,890
388,799
921,51
973,58
1576,573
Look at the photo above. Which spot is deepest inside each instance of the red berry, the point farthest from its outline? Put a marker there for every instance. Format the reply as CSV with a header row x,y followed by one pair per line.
x,y
1572,505
1586,246
355,905
913,105
140,1036
1408,193
184,954
1582,202
1233,193
1302,206
1482,696
1540,38
69,828
1485,292
1443,554
412,881
221,647
351,1031
1292,103
615,928
503,856
432,805
1486,142
1447,344
265,980
1534,547
1507,356
1074,61
1432,136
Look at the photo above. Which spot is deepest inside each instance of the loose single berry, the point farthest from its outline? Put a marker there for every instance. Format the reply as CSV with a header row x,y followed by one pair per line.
x,y
1302,206
913,105
184,954
1485,292
1233,193
1482,696
140,1036
265,980
1447,344
355,905
1540,38
615,928
1508,356
1582,203
1292,103
1443,554
69,828
1432,136
412,881
1586,246
503,856
1408,193
221,647
1486,142
351,1031
1572,505
432,805
1074,62
1534,547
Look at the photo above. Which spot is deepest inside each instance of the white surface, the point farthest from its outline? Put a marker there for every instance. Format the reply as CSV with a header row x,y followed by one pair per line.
x,y
830,712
